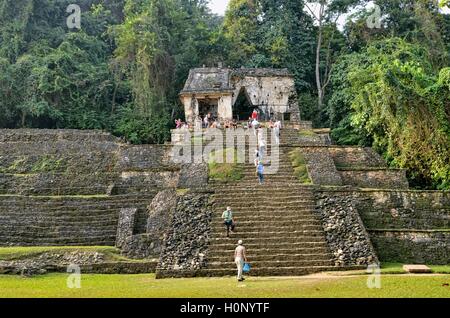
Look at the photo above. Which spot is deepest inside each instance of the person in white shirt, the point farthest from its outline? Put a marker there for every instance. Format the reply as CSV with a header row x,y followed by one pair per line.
x,y
262,148
255,125
239,258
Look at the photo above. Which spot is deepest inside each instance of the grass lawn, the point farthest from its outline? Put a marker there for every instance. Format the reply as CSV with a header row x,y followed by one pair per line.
x,y
323,285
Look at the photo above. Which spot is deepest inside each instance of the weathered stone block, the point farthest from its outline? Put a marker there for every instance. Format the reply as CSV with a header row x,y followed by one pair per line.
x,y
126,225
193,176
345,233
321,168
142,246
186,243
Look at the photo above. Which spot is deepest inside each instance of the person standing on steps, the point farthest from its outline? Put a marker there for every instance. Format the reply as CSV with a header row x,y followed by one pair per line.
x,y
260,172
256,160
255,126
239,258
255,114
228,220
262,148
276,131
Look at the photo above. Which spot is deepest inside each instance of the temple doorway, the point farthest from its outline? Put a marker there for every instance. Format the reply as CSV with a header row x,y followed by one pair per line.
x,y
242,108
208,106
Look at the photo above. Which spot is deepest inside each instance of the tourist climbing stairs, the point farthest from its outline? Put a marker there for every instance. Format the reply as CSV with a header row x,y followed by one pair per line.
x,y
276,222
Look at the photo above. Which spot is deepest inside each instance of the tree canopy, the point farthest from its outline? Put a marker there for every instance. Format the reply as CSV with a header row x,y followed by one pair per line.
x,y
386,86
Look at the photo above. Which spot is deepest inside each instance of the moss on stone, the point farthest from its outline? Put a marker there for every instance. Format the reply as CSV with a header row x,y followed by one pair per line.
x,y
299,165
20,252
307,133
221,170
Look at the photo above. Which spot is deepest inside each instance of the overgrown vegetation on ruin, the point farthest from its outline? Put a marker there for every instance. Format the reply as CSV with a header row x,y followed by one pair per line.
x,y
220,169
299,165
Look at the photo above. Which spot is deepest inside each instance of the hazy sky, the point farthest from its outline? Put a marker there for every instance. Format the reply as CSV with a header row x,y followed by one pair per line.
x,y
218,6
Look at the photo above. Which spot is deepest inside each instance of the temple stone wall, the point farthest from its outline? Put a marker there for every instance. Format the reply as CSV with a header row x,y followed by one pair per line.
x,y
356,156
64,187
272,91
375,178
404,226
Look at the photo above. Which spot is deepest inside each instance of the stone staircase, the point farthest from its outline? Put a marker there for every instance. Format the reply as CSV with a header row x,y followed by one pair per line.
x,y
75,221
275,220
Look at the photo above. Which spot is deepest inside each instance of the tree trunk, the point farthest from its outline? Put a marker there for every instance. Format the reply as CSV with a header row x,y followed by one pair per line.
x,y
318,80
319,46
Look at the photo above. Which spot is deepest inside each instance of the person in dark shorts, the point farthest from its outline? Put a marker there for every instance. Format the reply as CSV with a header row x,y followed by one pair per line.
x,y
228,220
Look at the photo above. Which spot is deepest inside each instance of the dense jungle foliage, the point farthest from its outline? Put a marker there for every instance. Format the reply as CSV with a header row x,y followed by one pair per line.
x,y
385,85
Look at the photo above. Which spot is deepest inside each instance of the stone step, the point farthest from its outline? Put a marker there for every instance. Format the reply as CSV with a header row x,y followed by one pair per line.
x,y
251,183
61,232
280,223
263,195
268,177
266,202
274,264
43,223
59,213
269,219
71,209
104,241
69,205
287,187
275,271
255,209
262,228
293,234
274,257
276,252
70,241
274,213
221,242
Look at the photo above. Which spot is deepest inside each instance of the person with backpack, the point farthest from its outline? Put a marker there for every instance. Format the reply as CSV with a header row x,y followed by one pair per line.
x,y
239,258
260,172
228,220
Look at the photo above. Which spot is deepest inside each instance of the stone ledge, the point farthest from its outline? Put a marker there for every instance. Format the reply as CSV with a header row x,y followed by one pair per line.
x,y
409,231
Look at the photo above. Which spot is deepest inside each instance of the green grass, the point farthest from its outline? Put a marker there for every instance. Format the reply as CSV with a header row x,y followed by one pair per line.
x,y
224,172
397,268
299,164
17,253
392,268
47,164
322,286
440,269
307,133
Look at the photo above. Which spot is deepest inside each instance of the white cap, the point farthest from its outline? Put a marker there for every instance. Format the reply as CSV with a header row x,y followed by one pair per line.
x,y
240,242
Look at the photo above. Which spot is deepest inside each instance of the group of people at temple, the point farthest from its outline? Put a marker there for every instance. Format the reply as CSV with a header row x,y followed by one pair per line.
x,y
209,121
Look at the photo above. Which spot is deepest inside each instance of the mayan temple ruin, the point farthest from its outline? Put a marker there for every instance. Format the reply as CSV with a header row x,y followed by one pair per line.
x,y
89,188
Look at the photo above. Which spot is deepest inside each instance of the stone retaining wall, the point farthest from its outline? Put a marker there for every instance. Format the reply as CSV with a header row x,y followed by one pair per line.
x,y
375,179
419,247
187,240
58,221
321,168
356,156
405,226
345,233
